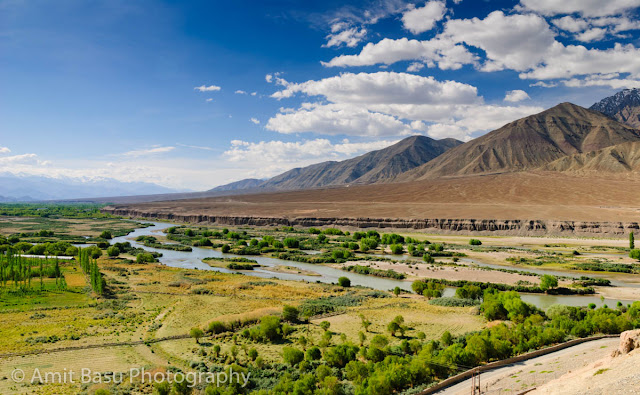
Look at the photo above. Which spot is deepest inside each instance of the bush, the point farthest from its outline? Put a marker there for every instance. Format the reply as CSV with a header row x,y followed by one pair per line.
x,y
225,248
454,302
634,254
396,249
217,327
313,354
290,242
113,251
475,242
106,234
344,282
290,313
292,356
145,257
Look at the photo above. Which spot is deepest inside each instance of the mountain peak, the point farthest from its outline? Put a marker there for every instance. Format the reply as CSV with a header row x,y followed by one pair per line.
x,y
624,107
529,143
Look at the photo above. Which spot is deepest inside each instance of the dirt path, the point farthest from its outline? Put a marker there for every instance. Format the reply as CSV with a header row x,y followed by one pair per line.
x,y
518,377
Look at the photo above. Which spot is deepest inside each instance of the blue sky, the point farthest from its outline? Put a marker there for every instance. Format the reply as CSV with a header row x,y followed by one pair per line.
x,y
193,94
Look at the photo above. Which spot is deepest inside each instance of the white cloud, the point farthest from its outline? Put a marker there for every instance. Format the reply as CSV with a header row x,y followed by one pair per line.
x,y
268,78
384,87
22,158
255,121
254,93
583,7
415,67
516,42
337,119
443,52
240,92
571,24
516,96
611,81
196,147
595,34
149,151
343,34
419,20
210,88
280,152
4,150
544,84
209,100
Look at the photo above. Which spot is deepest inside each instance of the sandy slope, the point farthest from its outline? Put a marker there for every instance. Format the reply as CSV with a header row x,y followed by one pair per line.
x,y
539,195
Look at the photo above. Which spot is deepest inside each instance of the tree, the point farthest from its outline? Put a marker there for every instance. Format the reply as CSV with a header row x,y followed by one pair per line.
x,y
290,242
396,291
325,325
340,355
428,258
253,354
362,337
344,282
632,242
313,354
113,251
196,333
547,282
106,234
145,257
290,313
292,356
396,249
365,323
446,338
418,286
225,248
635,254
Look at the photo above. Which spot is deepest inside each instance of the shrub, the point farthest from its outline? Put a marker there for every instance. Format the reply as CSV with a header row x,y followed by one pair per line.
x,y
217,327
475,242
106,234
292,356
225,248
396,249
344,282
313,354
635,254
290,313
290,242
145,257
113,251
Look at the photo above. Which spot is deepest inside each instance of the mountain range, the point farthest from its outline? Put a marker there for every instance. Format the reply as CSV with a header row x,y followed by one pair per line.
x,y
25,188
566,138
624,106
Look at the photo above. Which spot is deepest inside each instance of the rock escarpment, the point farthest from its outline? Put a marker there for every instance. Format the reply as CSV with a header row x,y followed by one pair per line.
x,y
435,225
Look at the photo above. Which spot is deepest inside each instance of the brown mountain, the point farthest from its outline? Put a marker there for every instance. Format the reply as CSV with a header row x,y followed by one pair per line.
x,y
621,158
624,107
374,166
529,143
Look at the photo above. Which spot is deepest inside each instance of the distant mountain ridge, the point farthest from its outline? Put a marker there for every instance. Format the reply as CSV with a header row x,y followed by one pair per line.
x,y
529,143
32,188
375,166
624,107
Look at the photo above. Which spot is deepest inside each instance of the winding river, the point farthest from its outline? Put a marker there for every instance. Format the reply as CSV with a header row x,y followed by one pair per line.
x,y
326,274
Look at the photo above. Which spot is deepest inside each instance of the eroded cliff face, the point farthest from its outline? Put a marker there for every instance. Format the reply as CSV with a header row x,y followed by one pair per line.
x,y
434,225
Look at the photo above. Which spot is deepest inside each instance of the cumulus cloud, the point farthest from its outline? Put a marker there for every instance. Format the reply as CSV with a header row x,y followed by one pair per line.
x,y
22,158
544,84
390,104
442,52
292,152
583,7
240,92
4,150
255,121
612,81
516,96
384,87
415,67
337,119
516,42
343,34
210,88
149,151
422,19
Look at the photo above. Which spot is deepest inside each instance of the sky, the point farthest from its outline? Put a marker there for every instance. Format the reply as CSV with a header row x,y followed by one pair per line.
x,y
194,94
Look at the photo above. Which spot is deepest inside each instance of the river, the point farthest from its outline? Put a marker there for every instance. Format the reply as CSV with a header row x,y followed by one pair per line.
x,y
193,260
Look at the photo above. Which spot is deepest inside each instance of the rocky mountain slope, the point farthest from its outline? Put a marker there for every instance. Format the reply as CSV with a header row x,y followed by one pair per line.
x,y
247,183
621,158
376,166
529,143
624,107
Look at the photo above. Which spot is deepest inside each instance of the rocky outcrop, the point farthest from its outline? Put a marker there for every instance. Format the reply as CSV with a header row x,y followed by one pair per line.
x,y
629,341
436,225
